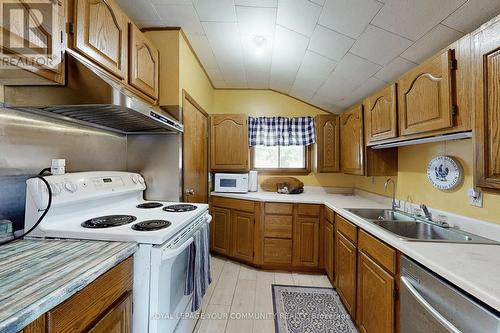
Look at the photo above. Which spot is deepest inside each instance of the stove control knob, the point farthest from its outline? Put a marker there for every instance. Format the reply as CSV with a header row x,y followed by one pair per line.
x,y
55,188
70,186
141,180
135,179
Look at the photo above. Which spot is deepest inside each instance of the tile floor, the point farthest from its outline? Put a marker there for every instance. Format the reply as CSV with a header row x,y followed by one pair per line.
x,y
238,290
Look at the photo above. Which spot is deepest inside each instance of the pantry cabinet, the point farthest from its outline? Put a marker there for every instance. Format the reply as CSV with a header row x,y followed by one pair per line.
x,y
229,142
101,34
105,305
328,143
33,56
352,143
380,115
486,76
425,96
143,63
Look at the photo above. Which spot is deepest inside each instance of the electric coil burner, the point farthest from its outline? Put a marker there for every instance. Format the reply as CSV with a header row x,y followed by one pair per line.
x,y
108,221
179,208
148,205
151,225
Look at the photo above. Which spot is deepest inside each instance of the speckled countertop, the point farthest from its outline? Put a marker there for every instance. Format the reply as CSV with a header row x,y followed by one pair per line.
x,y
37,275
472,267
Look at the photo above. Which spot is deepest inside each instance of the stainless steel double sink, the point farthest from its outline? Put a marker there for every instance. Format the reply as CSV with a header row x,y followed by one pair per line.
x,y
412,228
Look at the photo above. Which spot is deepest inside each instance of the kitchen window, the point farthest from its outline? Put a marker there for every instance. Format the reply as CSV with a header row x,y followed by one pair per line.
x,y
281,159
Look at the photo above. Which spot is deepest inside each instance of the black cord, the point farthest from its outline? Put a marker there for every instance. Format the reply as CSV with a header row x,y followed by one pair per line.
x,y
49,204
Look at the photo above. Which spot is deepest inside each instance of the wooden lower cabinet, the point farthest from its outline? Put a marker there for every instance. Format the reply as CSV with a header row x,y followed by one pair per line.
x,y
345,272
242,226
105,305
277,251
375,297
306,242
220,231
328,247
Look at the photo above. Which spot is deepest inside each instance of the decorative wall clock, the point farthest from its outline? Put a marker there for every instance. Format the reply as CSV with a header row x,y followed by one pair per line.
x,y
445,172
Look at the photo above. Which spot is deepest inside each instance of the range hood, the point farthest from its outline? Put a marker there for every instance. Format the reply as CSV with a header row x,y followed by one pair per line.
x,y
94,98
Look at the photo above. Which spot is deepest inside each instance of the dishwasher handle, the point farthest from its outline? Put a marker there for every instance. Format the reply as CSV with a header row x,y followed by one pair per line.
x,y
428,307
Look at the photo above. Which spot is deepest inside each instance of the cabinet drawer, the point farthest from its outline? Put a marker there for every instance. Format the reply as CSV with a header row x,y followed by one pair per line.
x,y
89,304
277,251
329,214
242,205
377,250
308,210
348,229
279,208
278,226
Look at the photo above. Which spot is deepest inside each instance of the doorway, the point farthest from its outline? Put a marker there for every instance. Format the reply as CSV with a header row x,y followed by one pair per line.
x,y
195,151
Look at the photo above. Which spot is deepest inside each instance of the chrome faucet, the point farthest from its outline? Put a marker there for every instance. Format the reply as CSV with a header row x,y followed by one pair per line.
x,y
427,214
394,204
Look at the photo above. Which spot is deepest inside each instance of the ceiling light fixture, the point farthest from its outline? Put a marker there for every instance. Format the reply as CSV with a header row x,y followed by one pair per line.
x,y
260,42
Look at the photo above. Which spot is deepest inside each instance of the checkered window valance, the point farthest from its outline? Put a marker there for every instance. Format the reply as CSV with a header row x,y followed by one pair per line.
x,y
281,131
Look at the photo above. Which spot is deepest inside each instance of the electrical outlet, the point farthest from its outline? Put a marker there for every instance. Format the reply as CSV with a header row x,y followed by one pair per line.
x,y
476,201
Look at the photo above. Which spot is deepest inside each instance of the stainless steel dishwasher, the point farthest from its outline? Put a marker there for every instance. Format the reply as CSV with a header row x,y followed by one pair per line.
x,y
431,304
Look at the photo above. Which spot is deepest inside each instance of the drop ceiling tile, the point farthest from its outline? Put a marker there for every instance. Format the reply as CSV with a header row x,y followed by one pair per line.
x,y
379,46
233,73
225,41
317,64
472,14
170,2
256,59
349,17
329,43
336,87
412,19
288,51
214,74
257,79
180,16
256,21
368,88
355,70
325,103
439,37
394,69
298,15
203,50
307,84
215,10
219,84
139,11
319,2
257,3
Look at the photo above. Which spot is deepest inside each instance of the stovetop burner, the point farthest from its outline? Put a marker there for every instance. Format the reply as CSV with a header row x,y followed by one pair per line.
x,y
148,205
108,221
179,208
151,225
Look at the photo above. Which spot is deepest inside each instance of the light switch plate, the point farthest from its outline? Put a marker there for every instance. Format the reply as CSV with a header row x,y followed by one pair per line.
x,y
476,201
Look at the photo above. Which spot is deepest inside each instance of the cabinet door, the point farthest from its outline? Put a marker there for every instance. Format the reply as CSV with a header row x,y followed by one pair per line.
x,y
352,150
328,143
345,272
306,242
375,304
328,249
425,96
101,34
380,115
486,69
117,320
31,39
144,62
229,142
242,235
220,230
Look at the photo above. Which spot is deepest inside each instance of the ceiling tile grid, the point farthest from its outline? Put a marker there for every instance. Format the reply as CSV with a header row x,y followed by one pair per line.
x,y
330,53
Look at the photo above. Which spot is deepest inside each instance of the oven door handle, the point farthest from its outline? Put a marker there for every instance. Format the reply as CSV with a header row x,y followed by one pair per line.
x,y
428,307
171,253
208,219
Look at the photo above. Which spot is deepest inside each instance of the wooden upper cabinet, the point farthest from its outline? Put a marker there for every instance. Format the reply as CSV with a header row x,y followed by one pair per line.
x,y
351,138
101,34
229,142
425,96
34,54
242,229
381,115
328,143
486,75
143,63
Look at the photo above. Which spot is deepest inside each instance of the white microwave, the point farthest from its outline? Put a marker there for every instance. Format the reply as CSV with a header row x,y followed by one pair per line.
x,y
231,182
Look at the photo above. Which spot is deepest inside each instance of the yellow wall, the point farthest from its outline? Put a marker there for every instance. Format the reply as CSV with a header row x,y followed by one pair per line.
x,y
413,184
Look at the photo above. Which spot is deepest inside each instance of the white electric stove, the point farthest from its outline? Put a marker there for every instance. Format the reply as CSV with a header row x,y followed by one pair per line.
x,y
109,205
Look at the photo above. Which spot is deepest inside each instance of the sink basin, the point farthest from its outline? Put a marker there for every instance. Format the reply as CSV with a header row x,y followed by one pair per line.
x,y
381,214
411,228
